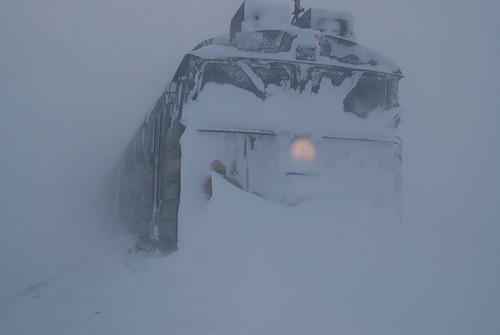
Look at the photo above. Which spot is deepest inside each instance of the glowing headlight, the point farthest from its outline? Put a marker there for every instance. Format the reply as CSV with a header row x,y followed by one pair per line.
x,y
303,150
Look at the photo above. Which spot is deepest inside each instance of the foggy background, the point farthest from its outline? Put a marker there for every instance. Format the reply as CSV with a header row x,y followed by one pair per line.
x,y
77,78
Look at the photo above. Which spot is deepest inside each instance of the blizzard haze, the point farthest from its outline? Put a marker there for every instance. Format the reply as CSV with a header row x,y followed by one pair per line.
x,y
77,78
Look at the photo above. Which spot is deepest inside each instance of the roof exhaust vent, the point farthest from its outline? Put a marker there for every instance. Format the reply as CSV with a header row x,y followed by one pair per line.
x,y
328,21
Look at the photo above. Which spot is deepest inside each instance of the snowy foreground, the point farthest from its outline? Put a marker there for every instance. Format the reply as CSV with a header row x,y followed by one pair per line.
x,y
251,266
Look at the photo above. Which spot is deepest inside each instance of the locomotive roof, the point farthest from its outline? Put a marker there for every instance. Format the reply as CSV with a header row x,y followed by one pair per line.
x,y
292,44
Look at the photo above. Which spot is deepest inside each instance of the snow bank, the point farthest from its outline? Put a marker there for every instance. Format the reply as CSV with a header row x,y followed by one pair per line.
x,y
251,266
246,265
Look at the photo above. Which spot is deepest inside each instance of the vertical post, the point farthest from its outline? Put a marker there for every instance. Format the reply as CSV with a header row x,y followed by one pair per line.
x,y
296,11
297,6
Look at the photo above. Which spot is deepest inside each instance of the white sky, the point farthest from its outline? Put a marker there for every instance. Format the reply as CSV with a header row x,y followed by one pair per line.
x,y
77,78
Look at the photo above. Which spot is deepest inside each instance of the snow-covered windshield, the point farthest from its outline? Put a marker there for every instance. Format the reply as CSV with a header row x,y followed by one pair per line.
x,y
369,90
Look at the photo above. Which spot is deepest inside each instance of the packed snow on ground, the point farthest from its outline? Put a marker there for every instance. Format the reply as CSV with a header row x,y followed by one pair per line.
x,y
247,265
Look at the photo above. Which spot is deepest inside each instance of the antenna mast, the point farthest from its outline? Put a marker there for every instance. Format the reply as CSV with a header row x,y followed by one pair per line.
x,y
296,12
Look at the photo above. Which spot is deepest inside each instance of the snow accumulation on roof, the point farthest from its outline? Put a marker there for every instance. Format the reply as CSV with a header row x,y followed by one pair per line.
x,y
261,30
289,43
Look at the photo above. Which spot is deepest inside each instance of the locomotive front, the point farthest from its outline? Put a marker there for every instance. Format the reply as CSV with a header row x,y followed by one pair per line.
x,y
288,112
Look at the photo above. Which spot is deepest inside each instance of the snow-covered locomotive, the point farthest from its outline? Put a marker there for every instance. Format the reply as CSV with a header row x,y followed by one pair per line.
x,y
288,112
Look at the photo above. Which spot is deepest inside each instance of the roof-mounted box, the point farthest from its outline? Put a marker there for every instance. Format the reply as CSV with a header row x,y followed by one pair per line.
x,y
255,15
328,21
